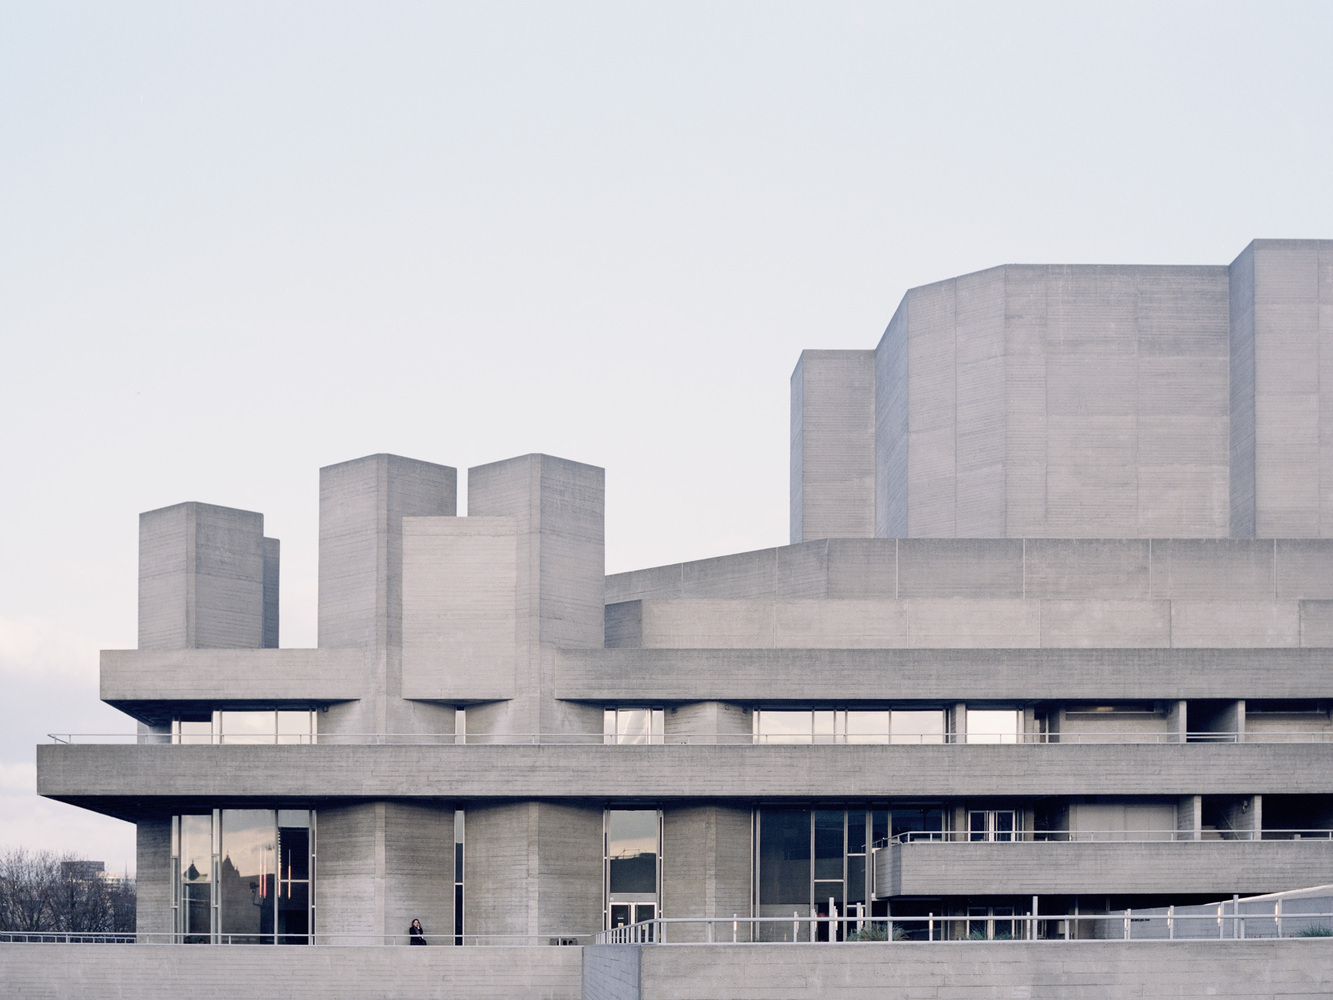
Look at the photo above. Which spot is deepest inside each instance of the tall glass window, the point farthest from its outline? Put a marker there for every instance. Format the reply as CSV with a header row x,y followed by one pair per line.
x,y
194,865
633,725
812,862
244,876
633,872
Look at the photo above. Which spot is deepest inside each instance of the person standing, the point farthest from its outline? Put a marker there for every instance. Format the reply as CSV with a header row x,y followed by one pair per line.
x,y
415,935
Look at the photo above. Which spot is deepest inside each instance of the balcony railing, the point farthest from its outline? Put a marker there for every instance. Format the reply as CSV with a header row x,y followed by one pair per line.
x,y
1105,836
679,739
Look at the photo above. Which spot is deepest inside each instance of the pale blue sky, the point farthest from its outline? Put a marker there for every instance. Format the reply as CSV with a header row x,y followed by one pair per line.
x,y
242,241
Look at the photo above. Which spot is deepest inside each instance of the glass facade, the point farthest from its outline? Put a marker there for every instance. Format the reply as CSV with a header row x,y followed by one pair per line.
x,y
244,876
813,862
633,870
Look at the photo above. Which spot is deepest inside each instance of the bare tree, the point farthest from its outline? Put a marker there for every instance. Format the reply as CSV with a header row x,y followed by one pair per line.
x,y
43,891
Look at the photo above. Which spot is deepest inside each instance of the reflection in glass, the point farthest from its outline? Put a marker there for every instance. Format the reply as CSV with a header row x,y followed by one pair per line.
x,y
194,731
246,875
196,874
784,869
920,822
262,861
993,725
631,842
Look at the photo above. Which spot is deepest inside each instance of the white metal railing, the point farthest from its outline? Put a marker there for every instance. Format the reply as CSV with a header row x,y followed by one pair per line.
x,y
679,739
1225,921
1105,836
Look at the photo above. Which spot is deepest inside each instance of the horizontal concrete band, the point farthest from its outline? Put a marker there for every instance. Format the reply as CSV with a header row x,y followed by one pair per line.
x,y
1227,569
241,972
123,778
1055,970
1220,867
847,675
224,675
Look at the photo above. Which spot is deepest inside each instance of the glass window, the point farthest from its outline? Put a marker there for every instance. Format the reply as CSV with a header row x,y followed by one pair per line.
x,y
632,725
783,726
917,726
195,864
784,869
867,727
296,727
246,875
918,822
631,851
262,889
993,725
193,731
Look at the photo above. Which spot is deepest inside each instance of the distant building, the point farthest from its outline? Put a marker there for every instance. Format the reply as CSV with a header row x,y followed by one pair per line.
x,y
1052,634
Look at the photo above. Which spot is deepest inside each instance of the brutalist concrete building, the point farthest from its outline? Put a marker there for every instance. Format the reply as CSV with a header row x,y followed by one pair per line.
x,y
1052,636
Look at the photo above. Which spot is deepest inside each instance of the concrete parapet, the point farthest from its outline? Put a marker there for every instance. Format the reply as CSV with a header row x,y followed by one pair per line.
x,y
128,780
327,972
1219,867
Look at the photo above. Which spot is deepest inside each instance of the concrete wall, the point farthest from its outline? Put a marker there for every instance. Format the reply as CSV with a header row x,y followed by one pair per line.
x,y
243,972
201,578
109,777
460,619
706,865
833,445
967,970
1289,334
380,864
533,868
1056,401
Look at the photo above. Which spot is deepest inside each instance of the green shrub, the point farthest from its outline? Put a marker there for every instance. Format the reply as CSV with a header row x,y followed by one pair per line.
x,y
1318,930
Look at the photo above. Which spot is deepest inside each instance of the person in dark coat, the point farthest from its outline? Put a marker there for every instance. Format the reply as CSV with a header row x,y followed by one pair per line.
x,y
415,935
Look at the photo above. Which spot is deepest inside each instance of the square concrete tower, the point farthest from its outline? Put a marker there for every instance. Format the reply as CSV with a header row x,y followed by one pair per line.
x,y
207,579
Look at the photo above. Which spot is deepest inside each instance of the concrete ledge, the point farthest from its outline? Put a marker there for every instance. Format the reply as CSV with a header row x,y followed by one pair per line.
x,y
139,681
611,676
1218,867
168,972
129,780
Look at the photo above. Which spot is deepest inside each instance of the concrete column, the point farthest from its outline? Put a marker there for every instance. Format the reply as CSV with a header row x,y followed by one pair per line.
x,y
362,504
533,869
379,865
557,511
709,722
1177,720
1189,816
833,445
152,878
201,578
706,860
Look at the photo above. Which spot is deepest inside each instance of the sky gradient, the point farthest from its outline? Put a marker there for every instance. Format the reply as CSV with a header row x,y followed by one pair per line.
x,y
242,241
